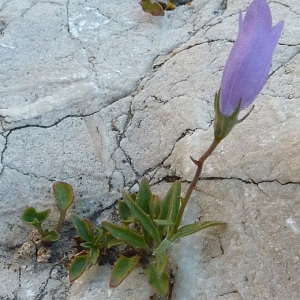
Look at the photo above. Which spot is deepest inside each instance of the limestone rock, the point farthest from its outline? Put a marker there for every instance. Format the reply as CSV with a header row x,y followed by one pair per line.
x,y
100,94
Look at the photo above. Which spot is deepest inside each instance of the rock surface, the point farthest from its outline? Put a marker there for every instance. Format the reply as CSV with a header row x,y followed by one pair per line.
x,y
100,94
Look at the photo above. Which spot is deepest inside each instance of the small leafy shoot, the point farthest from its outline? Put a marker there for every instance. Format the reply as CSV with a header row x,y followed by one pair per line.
x,y
143,218
84,228
126,235
31,217
64,197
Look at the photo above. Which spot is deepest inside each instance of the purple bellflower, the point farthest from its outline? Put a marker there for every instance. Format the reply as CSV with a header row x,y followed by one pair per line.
x,y
248,65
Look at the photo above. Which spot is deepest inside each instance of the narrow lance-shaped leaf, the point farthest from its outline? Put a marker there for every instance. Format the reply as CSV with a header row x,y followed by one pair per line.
x,y
122,268
174,192
192,228
144,196
175,201
155,207
164,222
125,213
143,218
127,235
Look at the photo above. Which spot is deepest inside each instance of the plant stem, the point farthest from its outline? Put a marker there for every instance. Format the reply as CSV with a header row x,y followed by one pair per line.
x,y
199,163
62,215
38,227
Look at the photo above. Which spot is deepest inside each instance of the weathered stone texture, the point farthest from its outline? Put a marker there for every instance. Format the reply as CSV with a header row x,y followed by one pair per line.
x,y
100,94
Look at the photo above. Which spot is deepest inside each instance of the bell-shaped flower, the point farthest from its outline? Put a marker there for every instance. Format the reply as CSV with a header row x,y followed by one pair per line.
x,y
247,67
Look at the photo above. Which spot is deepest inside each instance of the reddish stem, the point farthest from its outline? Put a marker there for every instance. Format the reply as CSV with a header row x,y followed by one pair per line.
x,y
199,163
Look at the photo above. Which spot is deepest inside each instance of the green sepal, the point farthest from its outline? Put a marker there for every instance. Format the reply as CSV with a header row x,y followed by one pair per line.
x,y
122,268
84,228
50,236
223,124
31,217
192,228
142,218
125,213
126,235
144,196
160,284
64,196
78,266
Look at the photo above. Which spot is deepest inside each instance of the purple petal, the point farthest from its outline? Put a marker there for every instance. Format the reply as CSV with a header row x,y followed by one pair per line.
x,y
249,61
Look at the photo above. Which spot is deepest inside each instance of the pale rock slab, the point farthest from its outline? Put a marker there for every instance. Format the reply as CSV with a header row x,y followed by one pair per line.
x,y
99,94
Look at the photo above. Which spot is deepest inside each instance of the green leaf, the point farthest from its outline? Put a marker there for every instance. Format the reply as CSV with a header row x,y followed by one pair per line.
x,y
144,196
50,236
122,268
192,228
127,235
32,217
110,241
142,218
99,237
162,260
175,201
164,222
164,245
84,228
87,245
160,284
155,207
64,196
94,255
78,266
168,202
125,213
154,8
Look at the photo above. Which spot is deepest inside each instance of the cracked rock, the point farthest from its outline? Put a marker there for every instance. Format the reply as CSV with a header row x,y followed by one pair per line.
x,y
100,94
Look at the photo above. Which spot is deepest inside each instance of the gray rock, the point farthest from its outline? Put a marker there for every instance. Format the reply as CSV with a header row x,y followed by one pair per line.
x,y
100,94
